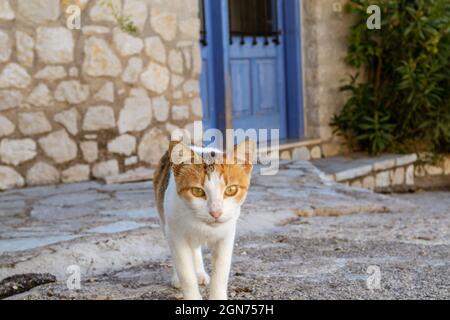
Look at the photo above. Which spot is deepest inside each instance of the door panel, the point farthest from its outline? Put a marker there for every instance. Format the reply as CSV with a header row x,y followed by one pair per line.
x,y
251,52
265,86
257,66
241,86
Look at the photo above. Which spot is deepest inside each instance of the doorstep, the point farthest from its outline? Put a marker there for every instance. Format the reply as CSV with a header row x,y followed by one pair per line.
x,y
302,149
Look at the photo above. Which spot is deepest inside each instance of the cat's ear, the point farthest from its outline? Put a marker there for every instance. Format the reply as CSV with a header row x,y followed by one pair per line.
x,y
182,154
243,153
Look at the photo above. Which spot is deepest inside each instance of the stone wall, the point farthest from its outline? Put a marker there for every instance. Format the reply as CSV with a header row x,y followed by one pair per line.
x,y
384,173
387,173
93,102
325,27
385,176
434,175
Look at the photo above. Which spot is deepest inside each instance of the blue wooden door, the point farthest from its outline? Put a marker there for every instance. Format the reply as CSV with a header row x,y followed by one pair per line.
x,y
257,70
246,41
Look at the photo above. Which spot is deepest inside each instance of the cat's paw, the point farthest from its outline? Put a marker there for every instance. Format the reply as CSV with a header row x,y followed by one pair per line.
x,y
175,282
203,278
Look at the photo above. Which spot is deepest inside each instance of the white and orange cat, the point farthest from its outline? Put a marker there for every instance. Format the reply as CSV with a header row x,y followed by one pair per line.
x,y
199,193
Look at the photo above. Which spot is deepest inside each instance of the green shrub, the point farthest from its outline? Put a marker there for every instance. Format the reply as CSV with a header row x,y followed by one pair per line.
x,y
403,103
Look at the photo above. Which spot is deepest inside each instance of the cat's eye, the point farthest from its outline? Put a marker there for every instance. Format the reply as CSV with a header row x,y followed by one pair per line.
x,y
198,192
231,191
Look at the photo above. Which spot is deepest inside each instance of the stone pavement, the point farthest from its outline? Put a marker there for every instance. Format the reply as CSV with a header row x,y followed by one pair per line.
x,y
112,233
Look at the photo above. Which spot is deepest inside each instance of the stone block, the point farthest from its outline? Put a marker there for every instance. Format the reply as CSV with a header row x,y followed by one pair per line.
x,y
164,23
155,49
383,179
14,76
69,119
434,170
106,92
99,59
384,164
153,145
55,45
316,152
17,151
6,12
31,123
133,70
301,153
351,174
7,127
72,91
136,115
407,159
59,147
99,118
42,174
89,149
25,49
105,169
409,176
76,173
5,47
40,96
39,11
10,178
398,176
155,78
369,183
124,145
10,99
127,44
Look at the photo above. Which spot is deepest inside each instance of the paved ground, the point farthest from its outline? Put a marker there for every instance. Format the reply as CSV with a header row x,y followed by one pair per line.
x,y
298,239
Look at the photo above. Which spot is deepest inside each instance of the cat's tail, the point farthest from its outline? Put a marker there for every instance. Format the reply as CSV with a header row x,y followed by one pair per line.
x,y
160,183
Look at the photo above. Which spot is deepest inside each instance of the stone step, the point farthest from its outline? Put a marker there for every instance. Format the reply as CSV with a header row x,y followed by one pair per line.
x,y
303,149
388,172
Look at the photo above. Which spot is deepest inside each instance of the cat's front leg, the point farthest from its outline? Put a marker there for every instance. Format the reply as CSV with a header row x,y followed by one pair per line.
x,y
184,265
222,252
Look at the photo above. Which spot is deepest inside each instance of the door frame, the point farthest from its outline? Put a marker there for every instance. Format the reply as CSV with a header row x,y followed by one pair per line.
x,y
293,74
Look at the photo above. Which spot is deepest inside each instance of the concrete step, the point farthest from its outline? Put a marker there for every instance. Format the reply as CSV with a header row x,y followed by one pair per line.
x,y
384,173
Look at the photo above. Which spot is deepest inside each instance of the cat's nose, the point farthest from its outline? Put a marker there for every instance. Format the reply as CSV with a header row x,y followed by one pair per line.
x,y
215,214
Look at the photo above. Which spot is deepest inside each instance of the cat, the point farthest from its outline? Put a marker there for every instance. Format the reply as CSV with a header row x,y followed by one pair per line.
x,y
199,193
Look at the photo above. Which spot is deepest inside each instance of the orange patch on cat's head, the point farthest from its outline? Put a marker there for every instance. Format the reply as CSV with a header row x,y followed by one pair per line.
x,y
191,171
236,174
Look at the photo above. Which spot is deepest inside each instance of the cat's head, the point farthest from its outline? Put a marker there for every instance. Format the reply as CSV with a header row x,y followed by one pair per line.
x,y
211,183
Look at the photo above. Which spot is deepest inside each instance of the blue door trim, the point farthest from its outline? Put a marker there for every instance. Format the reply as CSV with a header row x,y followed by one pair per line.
x,y
221,84
219,40
294,76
